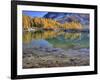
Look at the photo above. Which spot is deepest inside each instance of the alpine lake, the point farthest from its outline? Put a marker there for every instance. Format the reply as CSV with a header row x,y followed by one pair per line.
x,y
49,48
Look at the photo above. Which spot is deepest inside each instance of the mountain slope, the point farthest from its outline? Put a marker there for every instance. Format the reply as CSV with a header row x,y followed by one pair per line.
x,y
49,24
68,17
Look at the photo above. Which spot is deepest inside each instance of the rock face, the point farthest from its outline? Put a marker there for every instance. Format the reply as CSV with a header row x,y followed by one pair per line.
x,y
68,17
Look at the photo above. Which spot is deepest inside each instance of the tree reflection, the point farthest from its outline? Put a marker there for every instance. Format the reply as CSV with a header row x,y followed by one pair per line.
x,y
49,34
72,36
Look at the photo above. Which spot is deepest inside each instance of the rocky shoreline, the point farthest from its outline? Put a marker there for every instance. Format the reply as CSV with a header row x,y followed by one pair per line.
x,y
40,57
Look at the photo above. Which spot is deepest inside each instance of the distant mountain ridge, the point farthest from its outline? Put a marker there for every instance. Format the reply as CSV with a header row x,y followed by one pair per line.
x,y
68,17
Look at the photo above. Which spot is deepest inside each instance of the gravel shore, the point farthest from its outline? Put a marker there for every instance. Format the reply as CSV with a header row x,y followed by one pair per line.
x,y
39,57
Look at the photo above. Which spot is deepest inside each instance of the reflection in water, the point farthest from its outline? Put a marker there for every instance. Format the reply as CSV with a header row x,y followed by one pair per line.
x,y
72,36
28,36
59,39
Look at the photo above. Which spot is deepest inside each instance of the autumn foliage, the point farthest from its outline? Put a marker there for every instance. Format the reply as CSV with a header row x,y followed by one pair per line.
x,y
47,23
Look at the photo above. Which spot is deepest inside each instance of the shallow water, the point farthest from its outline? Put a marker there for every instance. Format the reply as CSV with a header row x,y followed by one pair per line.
x,y
55,49
60,39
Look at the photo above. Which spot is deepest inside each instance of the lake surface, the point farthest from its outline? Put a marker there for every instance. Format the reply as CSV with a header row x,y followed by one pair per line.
x,y
55,49
56,39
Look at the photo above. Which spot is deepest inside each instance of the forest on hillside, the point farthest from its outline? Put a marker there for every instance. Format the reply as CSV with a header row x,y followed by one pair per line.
x,y
47,23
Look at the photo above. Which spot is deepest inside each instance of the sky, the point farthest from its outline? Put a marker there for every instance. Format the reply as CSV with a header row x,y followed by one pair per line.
x,y
34,13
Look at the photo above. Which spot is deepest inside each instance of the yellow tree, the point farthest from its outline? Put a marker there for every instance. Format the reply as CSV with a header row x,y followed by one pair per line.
x,y
26,22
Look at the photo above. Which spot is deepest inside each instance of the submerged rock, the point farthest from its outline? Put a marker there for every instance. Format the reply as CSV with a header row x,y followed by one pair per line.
x,y
84,50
